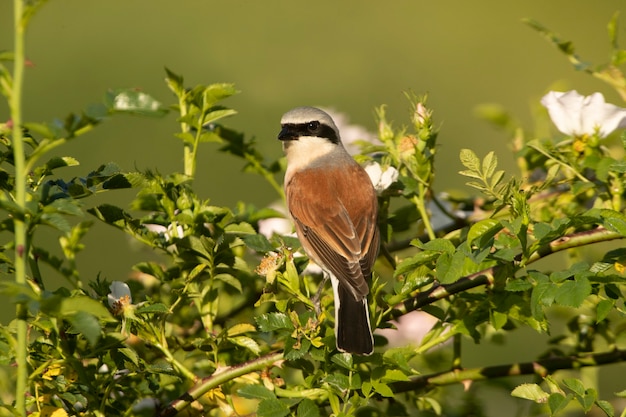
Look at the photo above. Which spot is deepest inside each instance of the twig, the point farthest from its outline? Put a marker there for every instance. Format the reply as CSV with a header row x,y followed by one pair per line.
x,y
216,380
486,276
541,368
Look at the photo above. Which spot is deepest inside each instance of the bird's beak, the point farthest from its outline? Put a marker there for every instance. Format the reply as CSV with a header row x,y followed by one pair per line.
x,y
287,133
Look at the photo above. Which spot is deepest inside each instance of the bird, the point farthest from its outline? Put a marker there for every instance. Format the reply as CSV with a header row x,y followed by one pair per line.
x,y
334,207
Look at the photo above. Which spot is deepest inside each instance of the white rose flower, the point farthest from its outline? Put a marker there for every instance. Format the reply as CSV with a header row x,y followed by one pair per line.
x,y
577,115
120,297
381,179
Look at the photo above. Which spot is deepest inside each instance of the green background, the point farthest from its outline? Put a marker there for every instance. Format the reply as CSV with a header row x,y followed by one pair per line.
x,y
348,55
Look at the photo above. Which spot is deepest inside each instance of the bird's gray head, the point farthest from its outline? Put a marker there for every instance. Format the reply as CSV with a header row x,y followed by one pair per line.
x,y
308,122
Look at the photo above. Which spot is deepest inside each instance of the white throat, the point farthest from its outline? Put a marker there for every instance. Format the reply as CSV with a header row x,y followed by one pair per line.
x,y
309,151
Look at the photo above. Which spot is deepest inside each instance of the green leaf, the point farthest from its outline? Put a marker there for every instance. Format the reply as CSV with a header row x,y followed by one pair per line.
x,y
274,321
174,82
344,360
87,325
133,102
258,243
256,392
603,308
573,293
575,385
483,231
450,269
240,328
247,343
517,284
240,228
56,221
272,408
543,295
72,305
490,162
230,281
152,308
558,402
392,375
382,388
130,354
470,161
607,407
531,392
307,408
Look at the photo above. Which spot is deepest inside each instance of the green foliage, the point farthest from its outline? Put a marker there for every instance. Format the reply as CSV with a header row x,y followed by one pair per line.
x,y
223,321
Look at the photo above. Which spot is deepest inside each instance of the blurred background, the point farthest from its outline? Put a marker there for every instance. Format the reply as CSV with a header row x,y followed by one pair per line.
x,y
352,56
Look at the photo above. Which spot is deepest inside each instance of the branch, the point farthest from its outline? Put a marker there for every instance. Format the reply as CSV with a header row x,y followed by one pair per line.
x,y
486,276
218,379
541,368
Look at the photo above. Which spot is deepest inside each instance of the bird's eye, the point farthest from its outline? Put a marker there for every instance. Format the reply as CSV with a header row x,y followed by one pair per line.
x,y
313,127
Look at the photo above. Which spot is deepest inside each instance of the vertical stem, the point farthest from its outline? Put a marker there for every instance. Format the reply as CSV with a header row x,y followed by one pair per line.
x,y
456,354
15,104
188,155
419,202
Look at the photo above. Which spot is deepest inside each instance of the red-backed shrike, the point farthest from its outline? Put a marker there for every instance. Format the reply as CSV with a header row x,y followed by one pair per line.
x,y
334,207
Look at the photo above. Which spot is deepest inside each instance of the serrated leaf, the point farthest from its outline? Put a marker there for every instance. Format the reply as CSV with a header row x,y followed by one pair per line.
x,y
471,174
161,367
218,114
382,388
344,360
607,407
272,408
274,321
307,408
603,308
517,284
240,328
489,165
256,392
56,221
573,293
496,178
230,280
484,231
257,242
470,160
531,392
575,385
130,354
87,325
558,402
152,308
247,343
392,375
240,228
439,245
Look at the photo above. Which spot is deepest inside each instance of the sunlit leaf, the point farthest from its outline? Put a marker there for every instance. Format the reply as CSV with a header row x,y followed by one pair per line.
x,y
531,392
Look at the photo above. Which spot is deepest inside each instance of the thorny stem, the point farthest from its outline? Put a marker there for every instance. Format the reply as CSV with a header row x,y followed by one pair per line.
x,y
541,368
216,380
21,246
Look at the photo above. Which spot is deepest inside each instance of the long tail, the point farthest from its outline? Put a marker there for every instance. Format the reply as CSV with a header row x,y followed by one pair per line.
x,y
352,322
